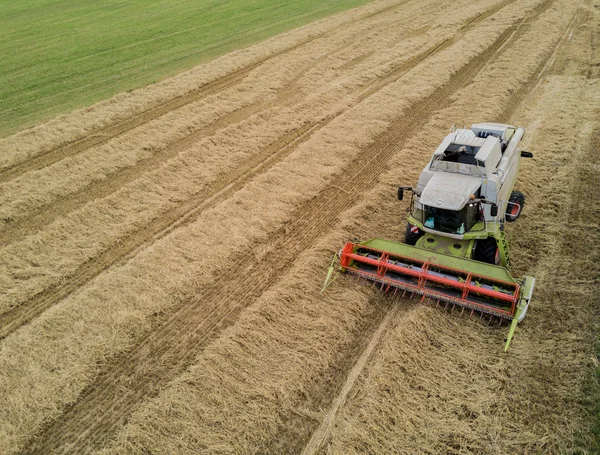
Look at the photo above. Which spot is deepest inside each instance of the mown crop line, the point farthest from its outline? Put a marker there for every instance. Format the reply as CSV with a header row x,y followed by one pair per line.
x,y
181,333
105,134
98,189
101,135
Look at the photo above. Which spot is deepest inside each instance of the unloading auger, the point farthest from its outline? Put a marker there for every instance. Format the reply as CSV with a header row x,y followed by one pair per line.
x,y
454,249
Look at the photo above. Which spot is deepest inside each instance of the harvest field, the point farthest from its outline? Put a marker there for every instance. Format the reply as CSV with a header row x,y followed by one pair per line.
x,y
162,252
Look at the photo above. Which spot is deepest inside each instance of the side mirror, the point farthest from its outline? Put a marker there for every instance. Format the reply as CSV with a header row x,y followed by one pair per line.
x,y
494,210
525,154
400,194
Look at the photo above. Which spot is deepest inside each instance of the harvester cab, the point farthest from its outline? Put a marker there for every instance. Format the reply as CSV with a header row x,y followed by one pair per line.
x,y
455,250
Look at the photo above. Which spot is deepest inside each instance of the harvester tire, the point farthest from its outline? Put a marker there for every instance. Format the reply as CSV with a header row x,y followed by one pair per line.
x,y
410,237
487,251
512,213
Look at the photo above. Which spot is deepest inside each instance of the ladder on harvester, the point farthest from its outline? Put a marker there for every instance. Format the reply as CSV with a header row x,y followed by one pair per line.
x,y
503,247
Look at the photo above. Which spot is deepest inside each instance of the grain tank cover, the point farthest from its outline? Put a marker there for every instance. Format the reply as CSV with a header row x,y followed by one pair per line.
x,y
502,131
489,155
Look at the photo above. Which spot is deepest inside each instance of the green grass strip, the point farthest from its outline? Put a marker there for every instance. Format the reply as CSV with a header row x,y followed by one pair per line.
x,y
58,55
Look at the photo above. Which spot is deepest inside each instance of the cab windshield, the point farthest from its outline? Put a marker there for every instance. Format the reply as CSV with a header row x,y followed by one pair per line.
x,y
451,221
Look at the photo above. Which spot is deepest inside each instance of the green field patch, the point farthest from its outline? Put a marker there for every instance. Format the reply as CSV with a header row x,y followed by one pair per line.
x,y
61,55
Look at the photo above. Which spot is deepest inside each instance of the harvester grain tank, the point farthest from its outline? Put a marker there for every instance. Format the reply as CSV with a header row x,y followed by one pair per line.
x,y
455,250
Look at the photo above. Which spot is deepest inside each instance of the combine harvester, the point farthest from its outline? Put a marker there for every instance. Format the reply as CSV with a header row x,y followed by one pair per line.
x,y
455,250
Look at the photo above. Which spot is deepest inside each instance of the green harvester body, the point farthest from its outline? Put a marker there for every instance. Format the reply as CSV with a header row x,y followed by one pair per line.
x,y
455,250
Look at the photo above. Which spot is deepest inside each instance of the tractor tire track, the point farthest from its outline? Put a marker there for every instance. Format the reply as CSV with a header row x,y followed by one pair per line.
x,y
106,404
183,214
321,434
523,94
102,135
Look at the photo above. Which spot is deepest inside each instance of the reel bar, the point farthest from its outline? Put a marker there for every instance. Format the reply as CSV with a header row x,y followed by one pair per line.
x,y
439,297
431,279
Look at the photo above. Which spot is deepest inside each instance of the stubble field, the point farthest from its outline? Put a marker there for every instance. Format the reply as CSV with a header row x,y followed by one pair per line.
x,y
161,253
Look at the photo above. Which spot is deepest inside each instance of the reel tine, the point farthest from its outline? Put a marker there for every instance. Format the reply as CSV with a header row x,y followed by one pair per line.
x,y
489,316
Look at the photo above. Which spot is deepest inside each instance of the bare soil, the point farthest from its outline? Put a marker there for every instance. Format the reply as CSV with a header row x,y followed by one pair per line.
x,y
161,253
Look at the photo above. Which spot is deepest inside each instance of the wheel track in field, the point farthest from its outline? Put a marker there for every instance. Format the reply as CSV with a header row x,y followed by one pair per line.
x,y
102,135
106,404
363,338
523,94
129,246
354,370
48,213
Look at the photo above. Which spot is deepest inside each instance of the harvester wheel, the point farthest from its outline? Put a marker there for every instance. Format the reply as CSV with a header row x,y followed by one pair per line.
x,y
486,250
512,210
412,234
